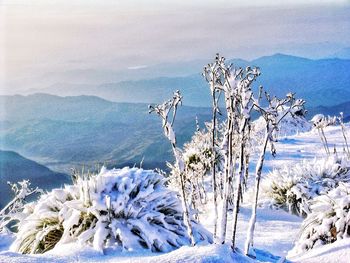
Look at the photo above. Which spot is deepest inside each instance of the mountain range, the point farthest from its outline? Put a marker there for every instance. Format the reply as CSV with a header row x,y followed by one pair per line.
x,y
323,82
67,132
64,132
115,129
343,53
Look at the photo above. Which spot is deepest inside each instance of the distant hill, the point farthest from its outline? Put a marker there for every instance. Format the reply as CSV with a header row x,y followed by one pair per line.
x,y
193,87
332,110
66,132
15,168
343,54
71,109
321,82
63,132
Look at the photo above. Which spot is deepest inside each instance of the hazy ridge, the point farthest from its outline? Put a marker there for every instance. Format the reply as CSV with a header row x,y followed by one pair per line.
x,y
320,82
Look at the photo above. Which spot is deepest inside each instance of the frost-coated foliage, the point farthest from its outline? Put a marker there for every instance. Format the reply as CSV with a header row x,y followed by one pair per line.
x,y
197,156
13,210
236,86
126,208
321,121
328,221
167,112
290,125
197,153
292,187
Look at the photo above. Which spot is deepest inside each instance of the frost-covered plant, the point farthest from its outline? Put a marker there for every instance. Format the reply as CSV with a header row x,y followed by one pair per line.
x,y
342,125
197,153
328,221
273,114
126,208
13,210
197,156
290,125
320,122
236,85
292,187
213,74
167,112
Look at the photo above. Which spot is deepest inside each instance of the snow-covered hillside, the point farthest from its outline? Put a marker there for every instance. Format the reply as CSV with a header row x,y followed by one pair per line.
x,y
275,234
288,126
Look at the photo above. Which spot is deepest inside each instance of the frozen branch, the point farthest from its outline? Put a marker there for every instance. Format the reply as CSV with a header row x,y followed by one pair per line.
x,y
163,111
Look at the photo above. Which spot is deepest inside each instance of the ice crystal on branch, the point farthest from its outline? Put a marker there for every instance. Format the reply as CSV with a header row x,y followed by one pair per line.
x,y
163,111
13,210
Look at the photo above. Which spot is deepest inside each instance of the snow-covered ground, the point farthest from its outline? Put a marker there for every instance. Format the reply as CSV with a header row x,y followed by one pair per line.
x,y
270,224
291,149
75,253
275,234
339,251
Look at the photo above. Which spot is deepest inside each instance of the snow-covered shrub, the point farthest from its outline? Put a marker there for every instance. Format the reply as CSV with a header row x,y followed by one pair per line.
x,y
290,125
319,120
328,221
241,100
197,156
197,160
293,186
126,208
197,153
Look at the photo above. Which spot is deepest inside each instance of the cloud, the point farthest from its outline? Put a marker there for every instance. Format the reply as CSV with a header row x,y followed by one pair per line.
x,y
138,67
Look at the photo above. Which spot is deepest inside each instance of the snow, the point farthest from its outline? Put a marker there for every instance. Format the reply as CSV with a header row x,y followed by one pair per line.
x,y
275,232
289,126
292,149
270,225
338,251
6,238
75,253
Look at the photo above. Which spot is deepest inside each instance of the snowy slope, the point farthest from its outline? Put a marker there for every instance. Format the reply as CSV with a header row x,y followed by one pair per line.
x,y
276,231
292,149
338,252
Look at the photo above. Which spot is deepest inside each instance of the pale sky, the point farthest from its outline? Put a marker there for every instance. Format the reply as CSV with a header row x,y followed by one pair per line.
x,y
37,37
